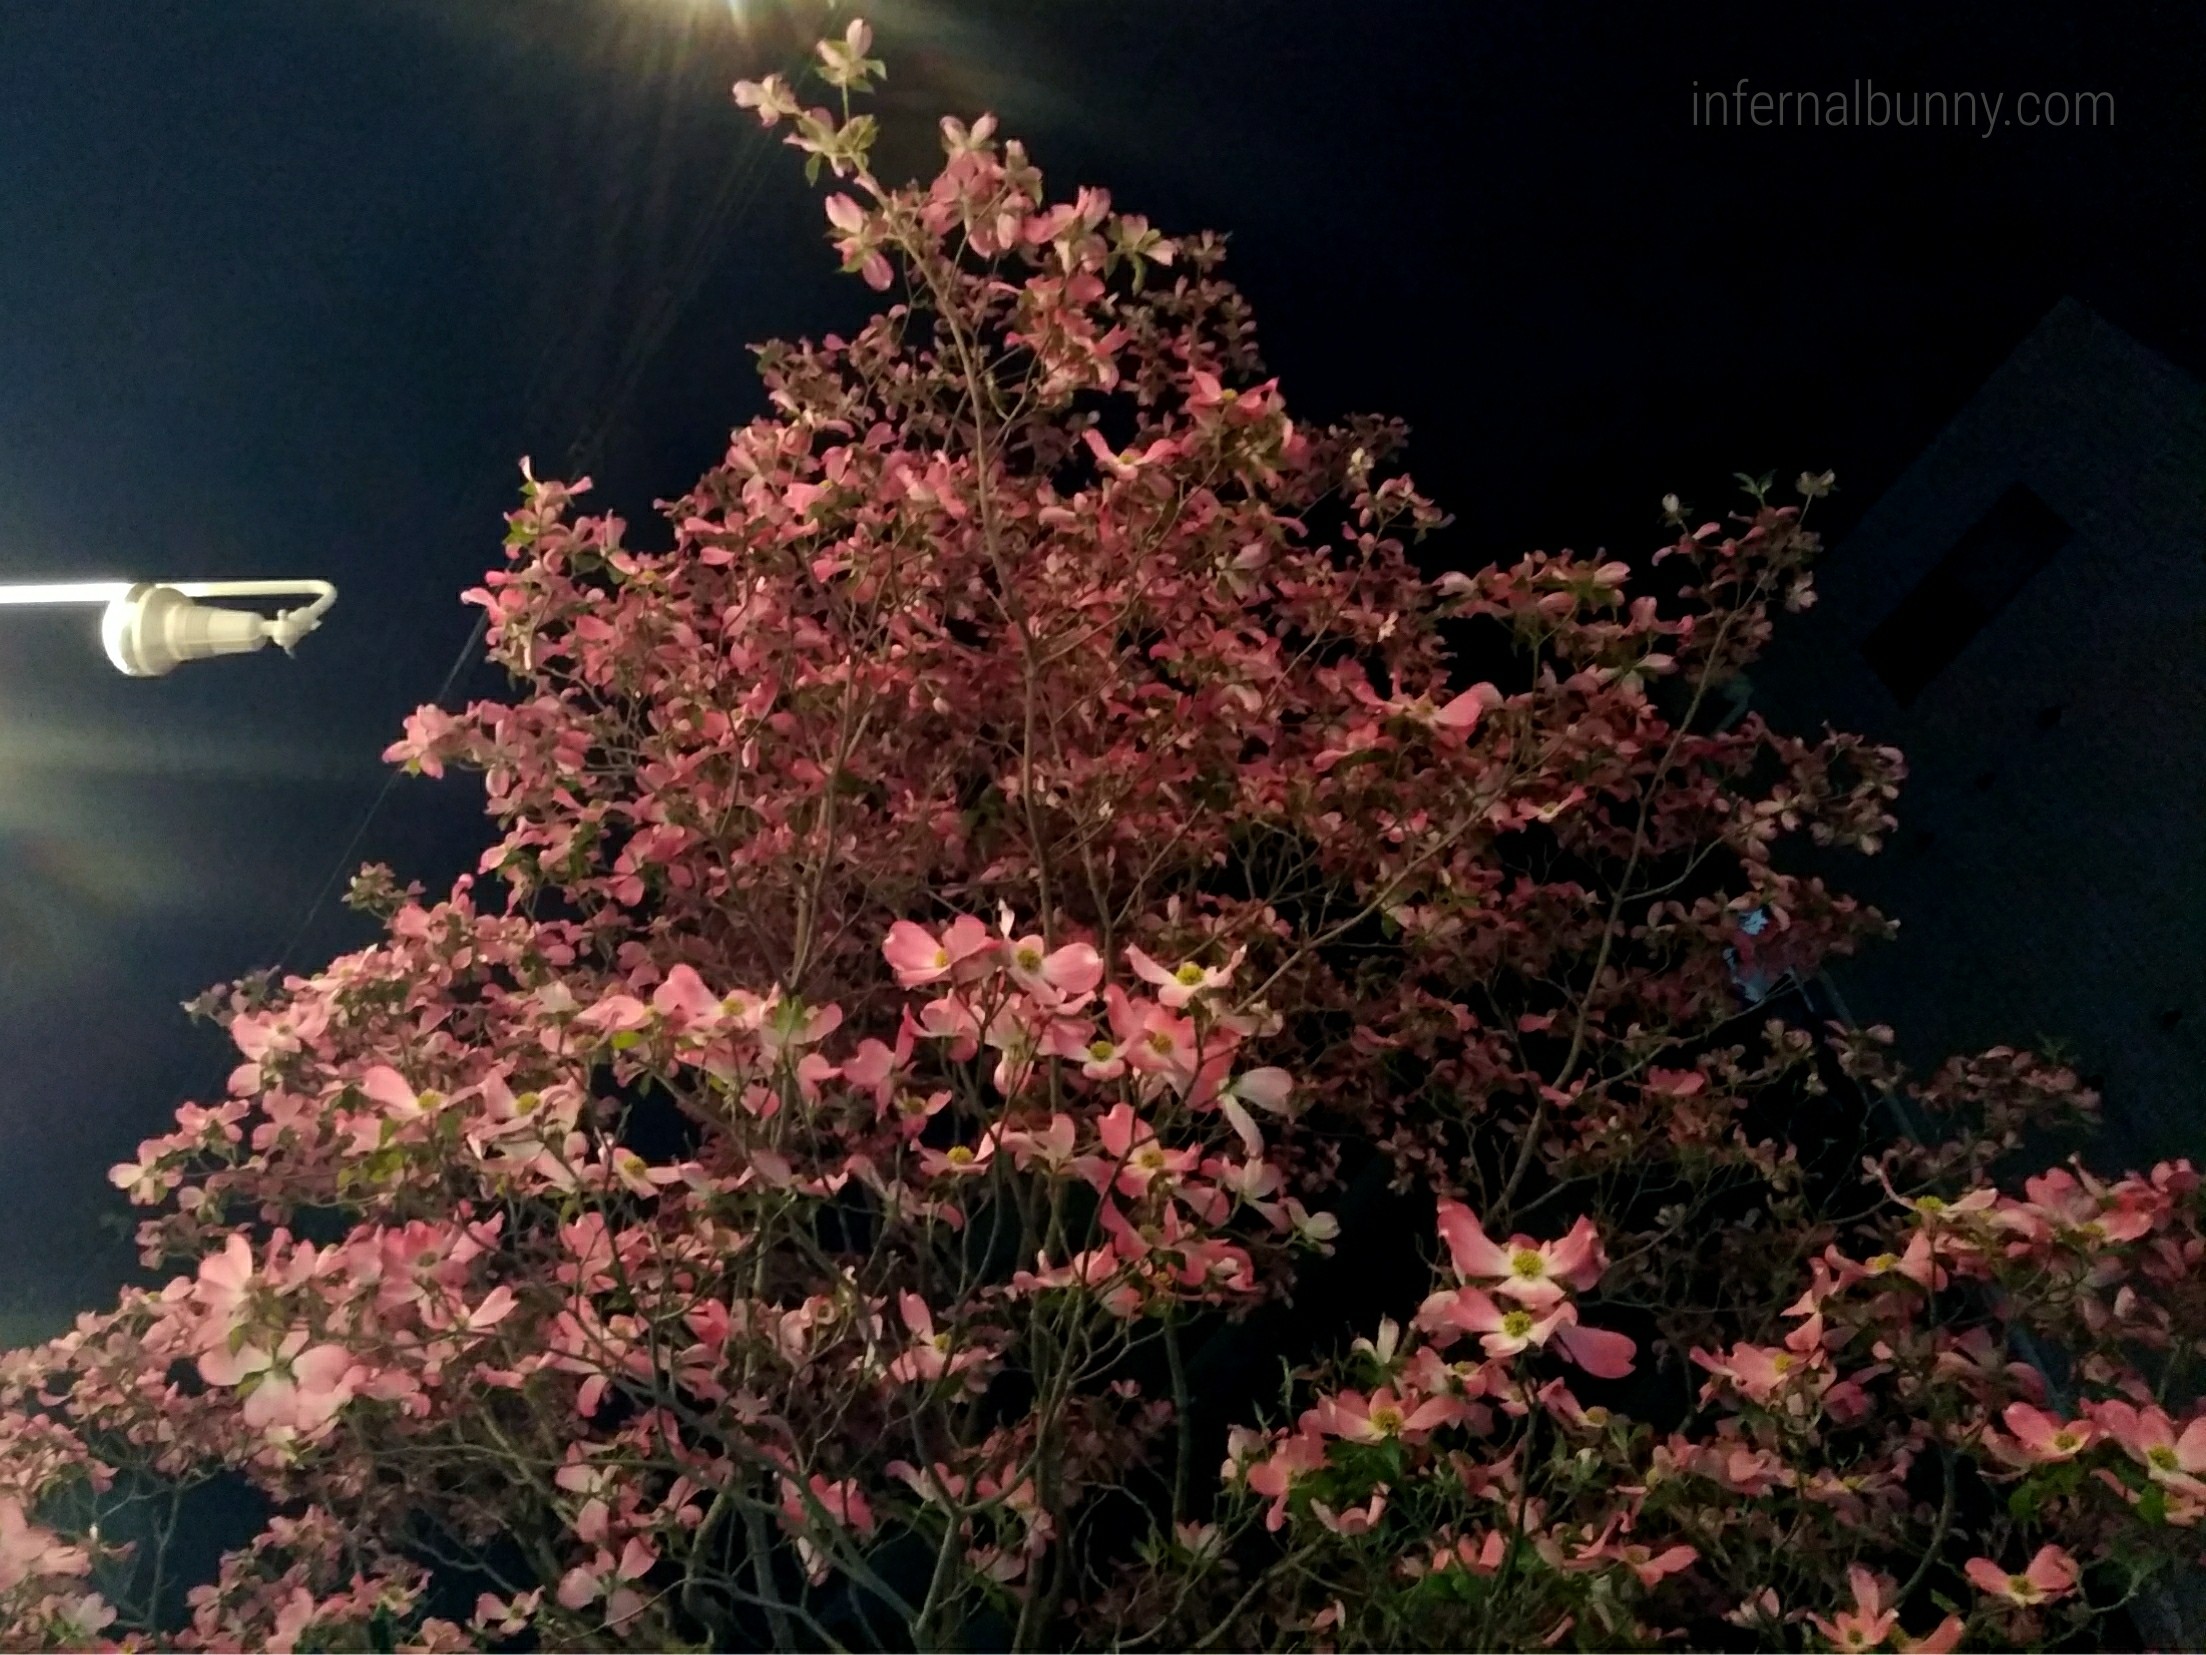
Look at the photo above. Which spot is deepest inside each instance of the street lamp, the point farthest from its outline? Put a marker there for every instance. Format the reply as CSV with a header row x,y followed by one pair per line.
x,y
150,626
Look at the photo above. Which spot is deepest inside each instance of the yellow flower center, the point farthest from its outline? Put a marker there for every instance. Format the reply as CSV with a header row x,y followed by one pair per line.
x,y
2065,1440
941,958
1781,1363
1517,1323
1528,1264
1385,1420
1030,959
2163,1458
960,1156
1101,1050
1160,1042
1188,975
2022,1586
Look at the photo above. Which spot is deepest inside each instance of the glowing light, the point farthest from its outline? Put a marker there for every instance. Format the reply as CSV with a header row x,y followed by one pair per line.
x,y
80,591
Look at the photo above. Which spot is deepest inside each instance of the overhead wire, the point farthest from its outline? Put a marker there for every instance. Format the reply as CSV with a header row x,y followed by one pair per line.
x,y
739,186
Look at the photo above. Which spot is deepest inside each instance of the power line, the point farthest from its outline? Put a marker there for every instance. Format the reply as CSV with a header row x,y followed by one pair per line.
x,y
739,186
390,780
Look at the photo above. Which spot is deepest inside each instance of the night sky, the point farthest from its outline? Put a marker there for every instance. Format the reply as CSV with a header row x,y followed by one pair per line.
x,y
288,290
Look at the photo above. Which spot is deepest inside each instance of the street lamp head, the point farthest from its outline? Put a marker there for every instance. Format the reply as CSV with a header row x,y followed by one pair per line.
x,y
152,628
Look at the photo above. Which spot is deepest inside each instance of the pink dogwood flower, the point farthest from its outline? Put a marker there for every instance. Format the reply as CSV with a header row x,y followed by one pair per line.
x,y
1381,1417
1178,986
1355,1519
1133,1158
2149,1436
291,1385
1868,1623
1652,1567
2051,1574
27,1550
2044,1438
1941,1639
928,1357
1059,978
1510,1332
919,957
1534,1273
225,1283
915,955
1275,1476
1151,1039
1759,1372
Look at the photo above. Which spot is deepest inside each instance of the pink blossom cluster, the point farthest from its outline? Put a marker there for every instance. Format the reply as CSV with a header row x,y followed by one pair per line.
x,y
979,902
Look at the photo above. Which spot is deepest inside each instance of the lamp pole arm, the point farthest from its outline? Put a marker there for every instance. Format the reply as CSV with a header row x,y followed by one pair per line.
x,y
287,628
250,588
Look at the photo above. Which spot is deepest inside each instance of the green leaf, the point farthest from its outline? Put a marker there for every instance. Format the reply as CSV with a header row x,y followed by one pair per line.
x,y
625,1038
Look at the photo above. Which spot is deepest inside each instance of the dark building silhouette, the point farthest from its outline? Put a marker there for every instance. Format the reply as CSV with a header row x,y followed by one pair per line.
x,y
2024,614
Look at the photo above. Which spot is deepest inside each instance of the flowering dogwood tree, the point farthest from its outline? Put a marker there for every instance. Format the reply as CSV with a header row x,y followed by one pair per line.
x,y
980,902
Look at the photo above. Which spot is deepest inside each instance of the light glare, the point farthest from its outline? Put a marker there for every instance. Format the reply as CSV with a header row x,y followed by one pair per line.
x,y
79,591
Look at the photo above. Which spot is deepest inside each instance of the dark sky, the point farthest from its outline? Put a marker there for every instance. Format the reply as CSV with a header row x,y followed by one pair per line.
x,y
288,290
